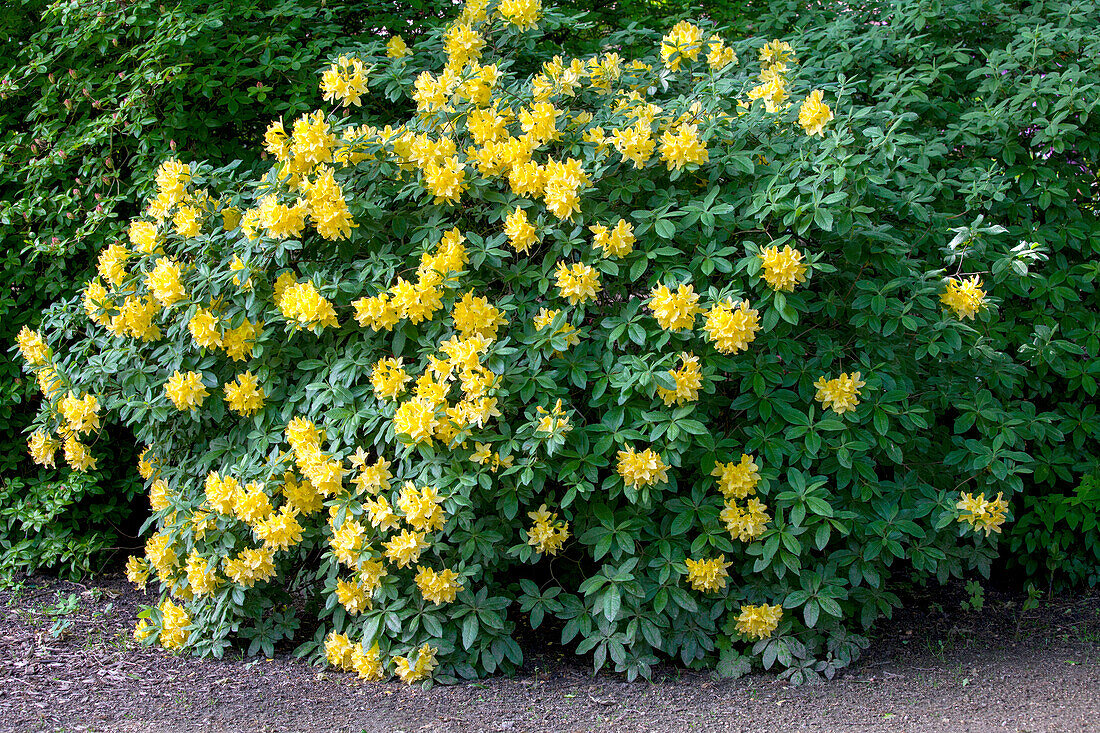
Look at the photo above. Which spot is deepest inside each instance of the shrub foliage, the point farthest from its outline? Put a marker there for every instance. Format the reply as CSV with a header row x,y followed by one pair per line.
x,y
649,347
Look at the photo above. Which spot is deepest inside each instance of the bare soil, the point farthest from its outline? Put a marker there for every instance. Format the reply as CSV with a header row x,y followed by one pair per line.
x,y
68,663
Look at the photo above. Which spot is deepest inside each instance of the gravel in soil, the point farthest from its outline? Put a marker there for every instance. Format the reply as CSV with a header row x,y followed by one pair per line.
x,y
68,663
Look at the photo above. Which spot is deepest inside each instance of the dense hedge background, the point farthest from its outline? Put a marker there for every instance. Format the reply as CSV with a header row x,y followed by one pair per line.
x,y
997,96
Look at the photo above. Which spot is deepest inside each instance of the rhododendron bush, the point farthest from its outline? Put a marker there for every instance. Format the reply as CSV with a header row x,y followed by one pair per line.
x,y
596,343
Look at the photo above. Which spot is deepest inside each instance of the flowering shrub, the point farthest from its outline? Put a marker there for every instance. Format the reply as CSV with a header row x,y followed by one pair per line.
x,y
604,342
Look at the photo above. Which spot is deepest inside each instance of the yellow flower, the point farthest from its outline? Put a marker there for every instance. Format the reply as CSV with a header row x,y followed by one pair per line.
x,y
546,534
521,235
473,316
186,390
783,268
524,14
746,523
174,622
202,574
731,328
708,576
137,570
814,114
983,514
840,394
352,596
344,81
683,147
641,469
239,342
280,531
421,669
422,508
635,143
397,48
244,395
367,664
205,329
737,480
327,208
42,448
617,242
441,587
311,140
719,55
164,282
82,415
759,622
282,221
143,235
172,178
31,346
187,221
405,548
684,41
338,650
688,378
112,264
251,566
348,541
965,298
777,52
389,378
304,306
77,455
674,311
554,420
416,418
578,282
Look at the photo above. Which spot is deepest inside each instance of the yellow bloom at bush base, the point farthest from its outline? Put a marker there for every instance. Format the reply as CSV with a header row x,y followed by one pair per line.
x,y
641,469
367,664
737,480
174,623
243,395
186,390
415,671
732,328
674,311
814,114
546,534
783,268
137,570
983,515
708,576
441,587
759,622
964,297
338,650
840,394
202,574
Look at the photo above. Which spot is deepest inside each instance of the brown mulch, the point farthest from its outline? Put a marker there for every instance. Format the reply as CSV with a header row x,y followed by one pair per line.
x,y
933,668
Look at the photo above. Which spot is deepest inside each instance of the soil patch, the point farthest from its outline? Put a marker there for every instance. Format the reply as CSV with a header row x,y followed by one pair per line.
x,y
68,663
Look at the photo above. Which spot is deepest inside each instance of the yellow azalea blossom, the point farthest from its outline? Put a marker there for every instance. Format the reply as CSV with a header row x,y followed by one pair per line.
x,y
438,587
783,268
367,663
708,576
137,570
250,566
641,469
616,242
411,671
81,414
404,549
578,282
32,346
674,311
546,534
396,48
521,234
737,480
344,81
338,650
244,395
982,514
164,282
964,297
759,622
745,523
688,378
731,328
840,394
682,146
78,455
186,390
523,14
42,448
174,623
814,114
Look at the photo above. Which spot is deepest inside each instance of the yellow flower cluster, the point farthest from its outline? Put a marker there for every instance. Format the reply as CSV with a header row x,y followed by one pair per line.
x,y
708,576
164,282
344,81
524,14
641,469
964,297
303,306
42,448
684,41
578,282
441,587
32,347
774,59
389,377
174,623
546,316
739,481
81,414
688,378
814,114
983,514
840,394
553,420
244,395
186,390
682,146
617,242
421,668
759,622
783,268
250,566
732,328
547,534
674,311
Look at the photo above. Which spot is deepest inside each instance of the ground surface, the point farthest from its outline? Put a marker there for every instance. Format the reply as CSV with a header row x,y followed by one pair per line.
x,y
67,664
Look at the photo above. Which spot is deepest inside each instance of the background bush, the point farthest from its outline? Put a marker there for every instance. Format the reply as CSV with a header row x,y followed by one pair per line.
x,y
93,95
